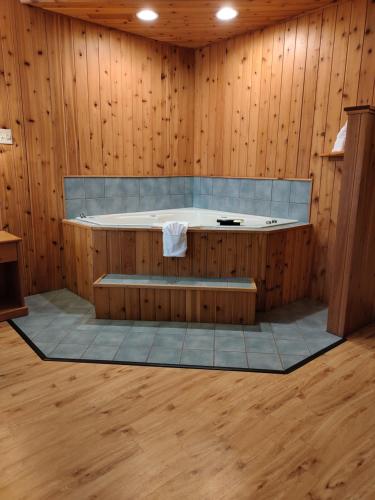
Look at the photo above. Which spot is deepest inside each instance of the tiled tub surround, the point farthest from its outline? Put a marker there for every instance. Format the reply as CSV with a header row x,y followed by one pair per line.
x,y
111,195
288,199
62,326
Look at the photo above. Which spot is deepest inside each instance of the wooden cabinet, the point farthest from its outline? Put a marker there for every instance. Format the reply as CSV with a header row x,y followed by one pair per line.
x,y
12,303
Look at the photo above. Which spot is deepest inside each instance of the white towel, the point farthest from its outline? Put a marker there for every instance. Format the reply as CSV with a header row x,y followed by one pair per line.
x,y
340,140
175,239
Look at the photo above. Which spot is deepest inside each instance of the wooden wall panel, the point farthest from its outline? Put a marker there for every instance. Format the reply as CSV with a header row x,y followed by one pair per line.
x,y
332,123
82,259
297,90
86,100
309,93
82,100
301,80
15,202
44,168
275,101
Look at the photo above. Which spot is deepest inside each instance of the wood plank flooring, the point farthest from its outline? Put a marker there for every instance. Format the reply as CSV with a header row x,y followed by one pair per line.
x,y
86,431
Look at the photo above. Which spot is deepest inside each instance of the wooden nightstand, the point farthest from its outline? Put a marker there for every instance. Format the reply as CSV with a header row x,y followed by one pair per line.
x,y
12,303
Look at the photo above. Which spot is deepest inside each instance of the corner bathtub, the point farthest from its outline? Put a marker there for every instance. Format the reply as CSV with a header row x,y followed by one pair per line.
x,y
277,255
195,217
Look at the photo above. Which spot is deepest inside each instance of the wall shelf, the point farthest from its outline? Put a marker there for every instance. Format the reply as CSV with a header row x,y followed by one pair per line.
x,y
339,155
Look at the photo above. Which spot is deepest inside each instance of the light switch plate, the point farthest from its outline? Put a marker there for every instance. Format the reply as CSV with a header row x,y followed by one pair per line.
x,y
6,136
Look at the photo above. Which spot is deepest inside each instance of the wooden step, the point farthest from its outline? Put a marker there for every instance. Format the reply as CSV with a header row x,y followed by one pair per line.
x,y
171,298
174,282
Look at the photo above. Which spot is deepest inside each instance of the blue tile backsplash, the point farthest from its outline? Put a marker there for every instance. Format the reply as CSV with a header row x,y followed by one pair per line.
x,y
247,189
300,190
94,188
104,195
74,188
281,191
225,187
287,199
263,190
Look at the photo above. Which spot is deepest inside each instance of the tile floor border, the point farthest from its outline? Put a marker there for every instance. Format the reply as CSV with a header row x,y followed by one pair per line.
x,y
286,371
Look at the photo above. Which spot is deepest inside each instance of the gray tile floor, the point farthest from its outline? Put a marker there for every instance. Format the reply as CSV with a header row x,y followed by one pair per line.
x,y
63,326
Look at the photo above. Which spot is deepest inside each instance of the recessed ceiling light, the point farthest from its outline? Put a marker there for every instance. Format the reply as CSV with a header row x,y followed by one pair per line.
x,y
147,15
226,14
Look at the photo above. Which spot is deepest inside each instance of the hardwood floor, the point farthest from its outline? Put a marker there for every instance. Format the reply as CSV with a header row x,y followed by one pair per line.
x,y
86,431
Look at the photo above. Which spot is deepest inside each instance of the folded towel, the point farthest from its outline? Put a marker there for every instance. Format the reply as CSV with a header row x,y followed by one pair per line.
x,y
340,140
175,239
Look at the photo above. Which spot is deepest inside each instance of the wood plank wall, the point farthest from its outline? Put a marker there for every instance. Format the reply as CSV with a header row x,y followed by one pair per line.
x,y
270,102
82,100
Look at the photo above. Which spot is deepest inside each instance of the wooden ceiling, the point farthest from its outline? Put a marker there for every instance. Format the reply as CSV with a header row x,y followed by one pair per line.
x,y
189,23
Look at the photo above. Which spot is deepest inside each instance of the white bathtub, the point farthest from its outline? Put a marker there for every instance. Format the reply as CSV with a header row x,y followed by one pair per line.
x,y
195,217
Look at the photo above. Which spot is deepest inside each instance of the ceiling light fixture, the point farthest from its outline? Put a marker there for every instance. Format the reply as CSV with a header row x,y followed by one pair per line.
x,y
226,14
147,15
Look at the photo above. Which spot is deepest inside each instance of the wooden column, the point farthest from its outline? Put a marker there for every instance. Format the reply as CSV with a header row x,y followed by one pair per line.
x,y
352,302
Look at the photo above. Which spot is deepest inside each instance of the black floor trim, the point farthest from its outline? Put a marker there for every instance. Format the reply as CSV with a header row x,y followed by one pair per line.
x,y
314,356
287,371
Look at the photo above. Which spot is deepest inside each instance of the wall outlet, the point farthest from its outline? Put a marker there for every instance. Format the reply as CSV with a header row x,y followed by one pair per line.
x,y
6,136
